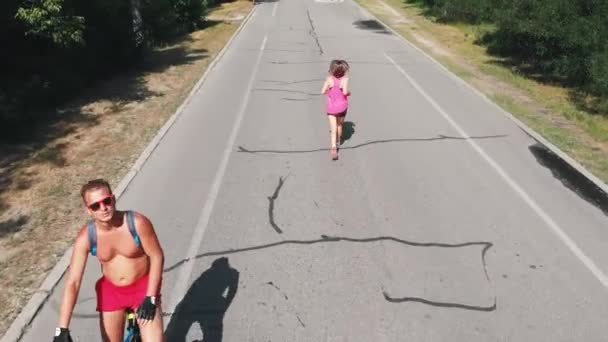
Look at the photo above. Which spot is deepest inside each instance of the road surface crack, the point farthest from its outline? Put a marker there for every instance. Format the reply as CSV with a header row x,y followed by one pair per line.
x,y
271,201
313,33
339,239
287,300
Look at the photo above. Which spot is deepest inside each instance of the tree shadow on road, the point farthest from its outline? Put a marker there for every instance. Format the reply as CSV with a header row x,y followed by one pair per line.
x,y
570,177
371,25
205,303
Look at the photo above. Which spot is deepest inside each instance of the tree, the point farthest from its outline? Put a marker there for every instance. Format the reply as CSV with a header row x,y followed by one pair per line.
x,y
48,19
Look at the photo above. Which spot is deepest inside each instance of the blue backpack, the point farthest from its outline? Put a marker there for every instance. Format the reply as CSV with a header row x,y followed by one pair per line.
x,y
130,223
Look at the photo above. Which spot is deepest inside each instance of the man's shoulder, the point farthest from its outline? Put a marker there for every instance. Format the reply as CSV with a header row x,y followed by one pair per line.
x,y
82,238
140,219
138,215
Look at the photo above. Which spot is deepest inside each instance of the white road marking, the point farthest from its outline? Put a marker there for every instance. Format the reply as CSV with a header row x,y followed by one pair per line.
x,y
186,269
590,264
274,8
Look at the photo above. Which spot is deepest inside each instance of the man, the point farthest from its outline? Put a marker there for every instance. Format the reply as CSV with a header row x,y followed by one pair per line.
x,y
131,262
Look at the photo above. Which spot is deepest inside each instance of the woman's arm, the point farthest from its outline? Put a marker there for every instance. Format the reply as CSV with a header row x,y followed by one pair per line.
x,y
344,84
325,87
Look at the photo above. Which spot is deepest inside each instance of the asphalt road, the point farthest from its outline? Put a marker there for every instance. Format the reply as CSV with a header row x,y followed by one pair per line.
x,y
439,222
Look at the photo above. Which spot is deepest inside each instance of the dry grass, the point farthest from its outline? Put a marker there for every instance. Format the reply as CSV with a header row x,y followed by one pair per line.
x,y
100,135
230,11
548,109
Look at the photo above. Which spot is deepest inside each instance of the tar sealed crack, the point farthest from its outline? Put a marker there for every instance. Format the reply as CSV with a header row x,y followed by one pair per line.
x,y
340,239
313,33
271,201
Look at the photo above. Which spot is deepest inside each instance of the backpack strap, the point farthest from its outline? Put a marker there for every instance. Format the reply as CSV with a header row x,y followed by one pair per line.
x,y
131,224
132,230
93,238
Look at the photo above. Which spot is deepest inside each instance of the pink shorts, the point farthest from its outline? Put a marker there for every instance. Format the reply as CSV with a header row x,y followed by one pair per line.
x,y
112,298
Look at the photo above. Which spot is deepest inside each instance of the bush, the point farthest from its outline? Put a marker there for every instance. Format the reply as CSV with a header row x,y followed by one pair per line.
x,y
159,20
189,13
56,47
469,11
560,38
599,74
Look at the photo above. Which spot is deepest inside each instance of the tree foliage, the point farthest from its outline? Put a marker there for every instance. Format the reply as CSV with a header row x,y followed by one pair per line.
x,y
56,47
48,20
562,40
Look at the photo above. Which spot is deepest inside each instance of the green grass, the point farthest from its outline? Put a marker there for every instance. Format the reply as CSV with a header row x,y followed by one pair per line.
x,y
58,190
460,72
51,154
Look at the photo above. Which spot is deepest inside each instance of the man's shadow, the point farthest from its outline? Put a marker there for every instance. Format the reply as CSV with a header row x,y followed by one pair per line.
x,y
205,303
348,129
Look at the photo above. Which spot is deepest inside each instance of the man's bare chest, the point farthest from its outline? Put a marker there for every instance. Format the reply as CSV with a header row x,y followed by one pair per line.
x,y
118,242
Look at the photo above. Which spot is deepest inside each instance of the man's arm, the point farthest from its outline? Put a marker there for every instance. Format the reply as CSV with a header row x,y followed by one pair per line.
x,y
74,278
153,250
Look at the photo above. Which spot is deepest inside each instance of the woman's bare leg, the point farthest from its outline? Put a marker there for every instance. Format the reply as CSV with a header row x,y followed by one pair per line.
x,y
333,133
340,124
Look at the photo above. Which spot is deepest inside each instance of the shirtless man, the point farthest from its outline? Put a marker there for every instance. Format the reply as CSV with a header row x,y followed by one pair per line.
x,y
131,262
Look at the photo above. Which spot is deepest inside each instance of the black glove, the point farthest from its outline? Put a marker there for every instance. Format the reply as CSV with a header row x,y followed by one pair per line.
x,y
62,335
147,309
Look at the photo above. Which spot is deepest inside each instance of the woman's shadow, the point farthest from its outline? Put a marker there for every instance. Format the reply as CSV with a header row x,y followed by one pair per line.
x,y
348,129
205,303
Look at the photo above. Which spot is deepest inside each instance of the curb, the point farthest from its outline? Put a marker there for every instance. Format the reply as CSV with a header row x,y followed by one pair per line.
x,y
533,134
29,312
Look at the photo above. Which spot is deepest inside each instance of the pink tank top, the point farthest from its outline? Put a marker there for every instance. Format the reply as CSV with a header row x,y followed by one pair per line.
x,y
337,102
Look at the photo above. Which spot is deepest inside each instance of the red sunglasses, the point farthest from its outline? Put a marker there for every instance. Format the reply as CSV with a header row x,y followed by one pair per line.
x,y
106,201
